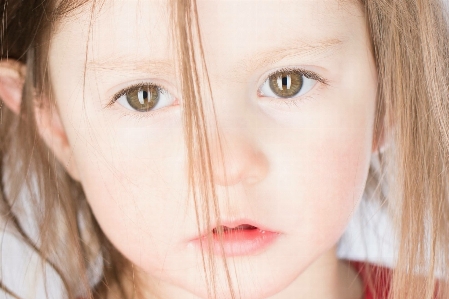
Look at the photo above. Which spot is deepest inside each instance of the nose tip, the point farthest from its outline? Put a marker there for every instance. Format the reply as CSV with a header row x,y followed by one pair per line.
x,y
238,161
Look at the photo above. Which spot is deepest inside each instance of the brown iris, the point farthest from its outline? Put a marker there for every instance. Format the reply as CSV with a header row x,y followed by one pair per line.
x,y
143,98
286,84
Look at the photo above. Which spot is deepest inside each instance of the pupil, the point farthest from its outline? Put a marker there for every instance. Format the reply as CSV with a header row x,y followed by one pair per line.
x,y
145,94
284,80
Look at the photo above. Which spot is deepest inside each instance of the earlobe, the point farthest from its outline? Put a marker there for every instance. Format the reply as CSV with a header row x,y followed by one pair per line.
x,y
12,78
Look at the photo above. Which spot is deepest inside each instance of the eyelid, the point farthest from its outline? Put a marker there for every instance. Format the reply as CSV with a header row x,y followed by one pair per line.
x,y
309,77
124,91
300,71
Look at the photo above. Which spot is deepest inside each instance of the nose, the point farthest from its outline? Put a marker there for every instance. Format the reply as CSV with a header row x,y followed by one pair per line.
x,y
237,160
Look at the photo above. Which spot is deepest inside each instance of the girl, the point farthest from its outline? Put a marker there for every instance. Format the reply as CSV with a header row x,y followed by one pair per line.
x,y
217,149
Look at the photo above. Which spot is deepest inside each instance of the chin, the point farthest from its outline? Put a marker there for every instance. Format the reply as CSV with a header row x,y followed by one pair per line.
x,y
251,278
244,289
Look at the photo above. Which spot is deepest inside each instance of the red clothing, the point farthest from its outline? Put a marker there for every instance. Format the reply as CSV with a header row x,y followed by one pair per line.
x,y
381,278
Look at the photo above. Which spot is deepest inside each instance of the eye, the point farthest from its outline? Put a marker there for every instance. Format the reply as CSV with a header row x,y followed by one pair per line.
x,y
289,83
144,97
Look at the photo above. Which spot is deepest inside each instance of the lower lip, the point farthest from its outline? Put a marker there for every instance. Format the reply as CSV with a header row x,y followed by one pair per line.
x,y
239,242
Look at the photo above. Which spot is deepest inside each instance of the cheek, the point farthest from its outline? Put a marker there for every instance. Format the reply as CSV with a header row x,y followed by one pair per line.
x,y
135,183
331,180
319,167
319,185
337,187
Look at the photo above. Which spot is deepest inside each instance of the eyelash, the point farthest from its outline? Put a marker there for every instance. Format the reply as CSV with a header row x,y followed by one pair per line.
x,y
288,101
130,88
295,70
134,114
299,71
296,100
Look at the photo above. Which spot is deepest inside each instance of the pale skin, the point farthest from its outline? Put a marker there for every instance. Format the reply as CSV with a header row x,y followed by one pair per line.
x,y
298,166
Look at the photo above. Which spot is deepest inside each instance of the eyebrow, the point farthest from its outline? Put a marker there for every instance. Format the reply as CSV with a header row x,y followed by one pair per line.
x,y
124,64
248,65
293,48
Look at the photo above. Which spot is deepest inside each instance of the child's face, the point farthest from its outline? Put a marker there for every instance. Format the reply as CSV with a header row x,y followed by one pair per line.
x,y
294,166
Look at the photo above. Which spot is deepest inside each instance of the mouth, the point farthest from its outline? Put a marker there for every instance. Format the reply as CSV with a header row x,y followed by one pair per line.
x,y
234,239
227,230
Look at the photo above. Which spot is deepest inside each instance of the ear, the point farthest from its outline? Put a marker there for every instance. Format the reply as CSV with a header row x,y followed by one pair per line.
x,y
12,78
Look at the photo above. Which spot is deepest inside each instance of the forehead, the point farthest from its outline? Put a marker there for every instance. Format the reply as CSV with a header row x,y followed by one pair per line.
x,y
144,15
136,35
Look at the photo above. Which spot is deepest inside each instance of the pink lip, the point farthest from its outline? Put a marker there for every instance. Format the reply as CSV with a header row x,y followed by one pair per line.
x,y
238,239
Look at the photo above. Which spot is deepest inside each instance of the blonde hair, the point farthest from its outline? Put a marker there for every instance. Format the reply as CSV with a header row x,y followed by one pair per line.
x,y
410,41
